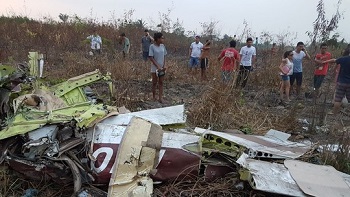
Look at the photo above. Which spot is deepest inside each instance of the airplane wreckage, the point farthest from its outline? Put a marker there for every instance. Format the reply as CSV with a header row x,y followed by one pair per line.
x,y
62,133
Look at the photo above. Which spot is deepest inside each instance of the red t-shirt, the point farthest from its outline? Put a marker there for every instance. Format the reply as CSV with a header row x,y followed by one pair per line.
x,y
322,70
229,55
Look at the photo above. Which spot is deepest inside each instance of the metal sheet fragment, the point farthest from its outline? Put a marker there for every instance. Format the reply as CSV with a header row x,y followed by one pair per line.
x,y
135,160
258,146
318,180
269,177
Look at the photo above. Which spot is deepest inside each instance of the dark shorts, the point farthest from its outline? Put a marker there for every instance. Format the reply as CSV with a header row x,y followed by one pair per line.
x,y
285,77
342,90
298,77
204,63
318,79
194,62
145,55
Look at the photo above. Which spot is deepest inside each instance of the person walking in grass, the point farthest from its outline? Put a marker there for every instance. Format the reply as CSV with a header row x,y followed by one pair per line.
x,y
205,60
146,41
157,53
298,55
321,69
96,43
247,60
343,80
286,68
230,57
195,53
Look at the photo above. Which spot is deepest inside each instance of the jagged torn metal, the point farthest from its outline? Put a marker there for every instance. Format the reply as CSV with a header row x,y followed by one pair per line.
x,y
260,146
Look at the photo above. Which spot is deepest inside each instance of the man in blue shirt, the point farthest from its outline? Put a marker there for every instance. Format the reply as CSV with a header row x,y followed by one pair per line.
x,y
343,81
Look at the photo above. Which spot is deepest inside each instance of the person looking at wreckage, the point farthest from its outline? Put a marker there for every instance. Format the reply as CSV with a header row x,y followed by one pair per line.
x,y
157,53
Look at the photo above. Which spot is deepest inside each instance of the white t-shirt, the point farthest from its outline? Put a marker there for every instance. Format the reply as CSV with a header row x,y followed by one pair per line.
x,y
246,55
196,49
96,41
298,61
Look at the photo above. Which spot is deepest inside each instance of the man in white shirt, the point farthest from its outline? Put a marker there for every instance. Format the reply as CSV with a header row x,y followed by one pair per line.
x,y
96,42
247,60
195,53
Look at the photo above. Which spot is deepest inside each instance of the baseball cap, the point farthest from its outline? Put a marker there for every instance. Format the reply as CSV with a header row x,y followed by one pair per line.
x,y
197,36
146,30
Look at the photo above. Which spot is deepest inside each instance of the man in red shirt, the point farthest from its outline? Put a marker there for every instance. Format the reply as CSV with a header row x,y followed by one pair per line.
x,y
230,56
321,68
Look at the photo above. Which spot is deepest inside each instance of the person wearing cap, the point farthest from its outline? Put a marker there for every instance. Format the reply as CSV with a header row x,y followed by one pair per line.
x,y
195,53
125,43
146,41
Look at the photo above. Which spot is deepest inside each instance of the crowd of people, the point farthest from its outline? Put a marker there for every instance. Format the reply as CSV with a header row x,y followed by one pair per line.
x,y
291,69
237,65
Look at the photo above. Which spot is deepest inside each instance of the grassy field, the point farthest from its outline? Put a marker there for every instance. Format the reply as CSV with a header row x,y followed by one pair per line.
x,y
209,104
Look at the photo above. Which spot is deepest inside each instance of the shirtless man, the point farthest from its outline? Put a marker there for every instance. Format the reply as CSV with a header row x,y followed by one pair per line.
x,y
205,59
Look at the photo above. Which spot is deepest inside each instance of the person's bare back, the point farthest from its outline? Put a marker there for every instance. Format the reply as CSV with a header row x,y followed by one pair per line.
x,y
205,50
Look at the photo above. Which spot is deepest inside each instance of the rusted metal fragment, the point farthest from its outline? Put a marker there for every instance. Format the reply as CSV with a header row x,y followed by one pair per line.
x,y
317,180
268,177
135,160
258,146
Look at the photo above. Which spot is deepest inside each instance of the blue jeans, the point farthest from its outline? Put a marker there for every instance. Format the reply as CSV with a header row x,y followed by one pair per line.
x,y
194,62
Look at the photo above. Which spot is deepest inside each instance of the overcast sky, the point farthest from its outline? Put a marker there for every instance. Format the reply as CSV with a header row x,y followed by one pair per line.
x,y
274,16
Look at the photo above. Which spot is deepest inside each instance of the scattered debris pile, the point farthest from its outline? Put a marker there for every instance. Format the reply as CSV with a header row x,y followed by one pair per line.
x,y
64,134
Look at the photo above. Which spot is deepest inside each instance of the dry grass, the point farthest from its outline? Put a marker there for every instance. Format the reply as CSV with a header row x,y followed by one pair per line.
x,y
224,187
209,104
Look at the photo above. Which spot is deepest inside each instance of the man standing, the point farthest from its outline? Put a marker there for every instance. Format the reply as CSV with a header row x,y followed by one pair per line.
x,y
146,41
343,81
230,57
96,42
298,55
247,60
157,53
195,53
321,69
205,59
125,43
